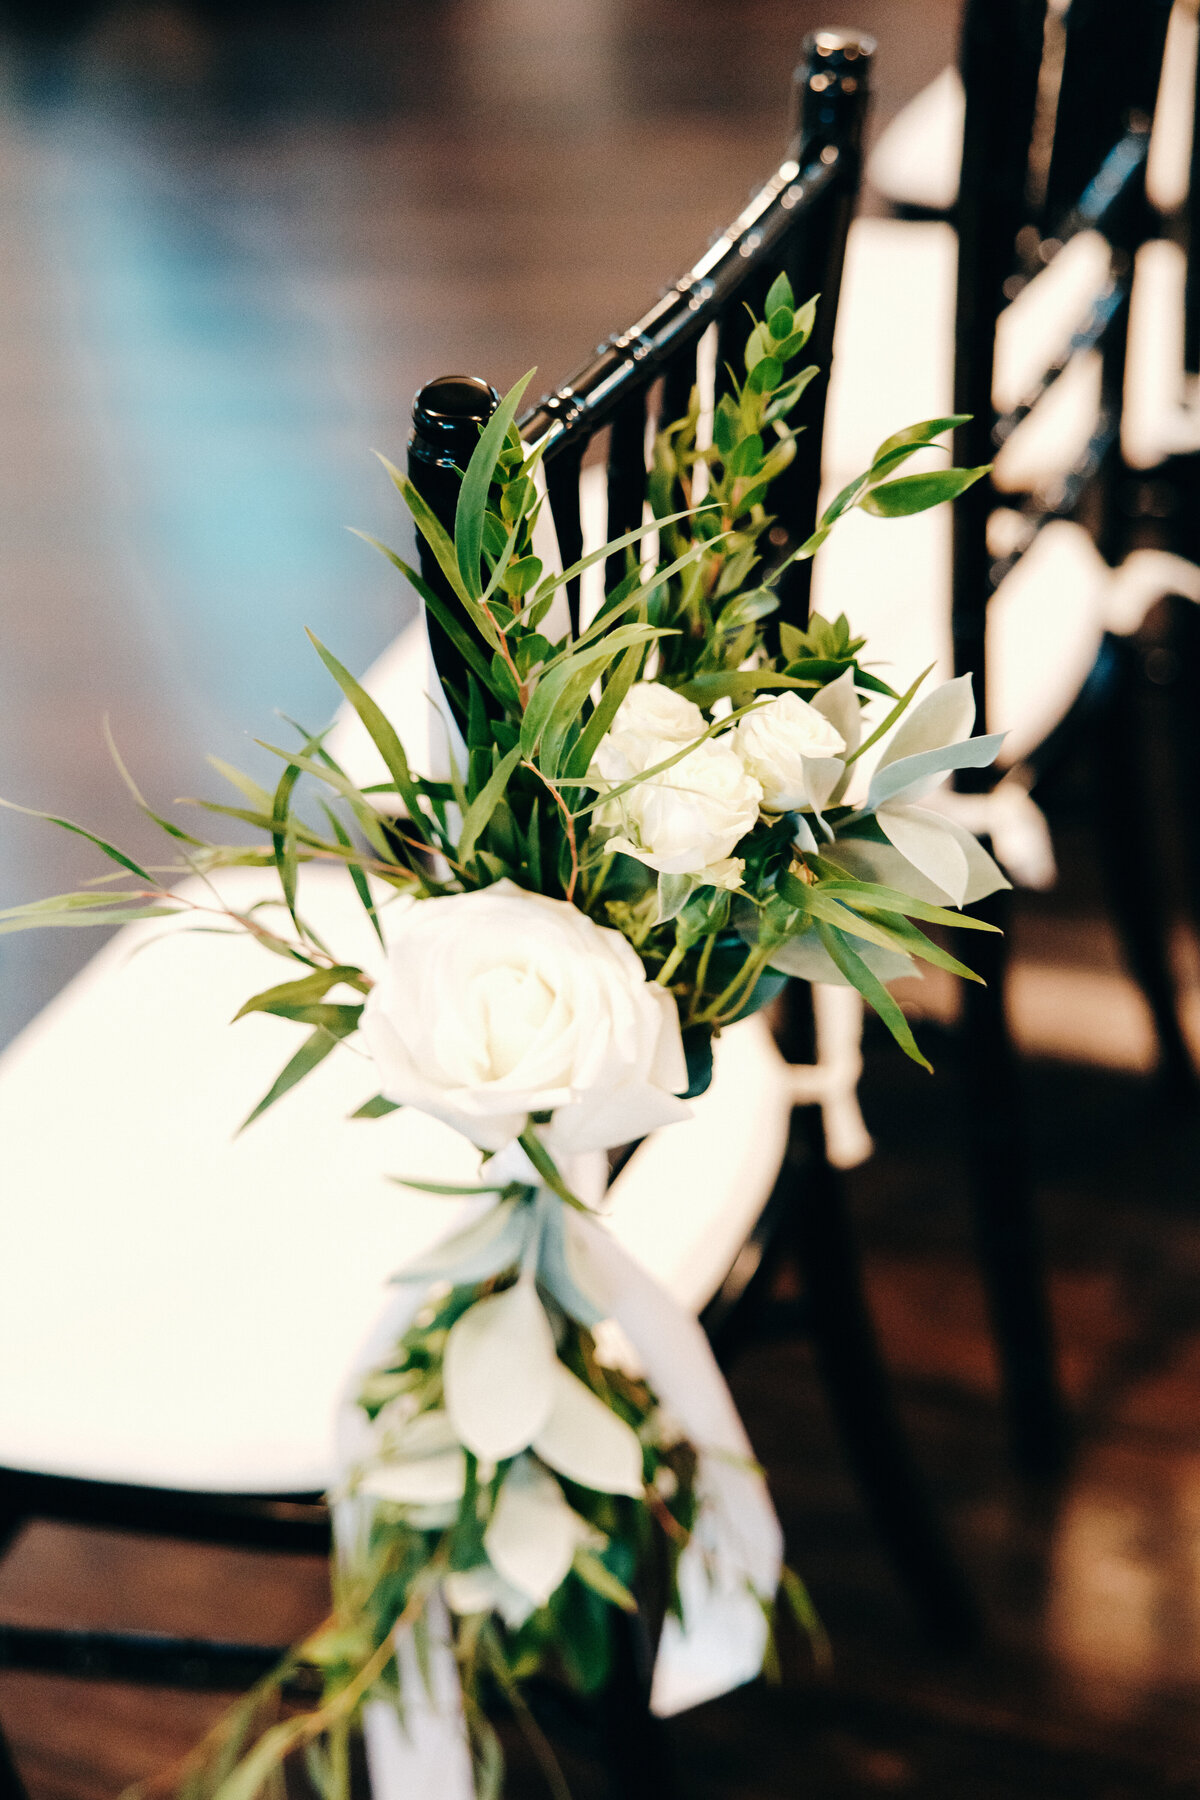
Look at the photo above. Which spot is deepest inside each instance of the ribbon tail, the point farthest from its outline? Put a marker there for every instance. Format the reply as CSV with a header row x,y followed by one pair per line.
x,y
731,1568
421,1752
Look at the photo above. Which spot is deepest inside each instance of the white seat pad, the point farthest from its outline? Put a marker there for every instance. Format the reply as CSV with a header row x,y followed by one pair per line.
x,y
179,1307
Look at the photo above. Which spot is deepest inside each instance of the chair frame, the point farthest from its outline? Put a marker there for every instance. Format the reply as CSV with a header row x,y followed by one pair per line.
x,y
807,1218
1095,180
798,221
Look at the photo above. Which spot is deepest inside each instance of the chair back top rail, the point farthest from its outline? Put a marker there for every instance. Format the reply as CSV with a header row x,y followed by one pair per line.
x,y
796,221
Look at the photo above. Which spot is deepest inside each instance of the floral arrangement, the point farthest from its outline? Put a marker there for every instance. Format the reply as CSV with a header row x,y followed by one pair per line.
x,y
643,829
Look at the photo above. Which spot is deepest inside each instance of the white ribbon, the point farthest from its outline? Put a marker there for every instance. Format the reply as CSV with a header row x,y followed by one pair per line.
x,y
730,1566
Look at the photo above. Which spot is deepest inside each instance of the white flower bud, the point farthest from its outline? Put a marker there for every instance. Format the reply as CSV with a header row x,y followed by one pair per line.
x,y
775,742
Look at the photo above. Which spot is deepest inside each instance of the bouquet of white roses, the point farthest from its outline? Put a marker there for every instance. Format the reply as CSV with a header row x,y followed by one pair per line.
x,y
645,826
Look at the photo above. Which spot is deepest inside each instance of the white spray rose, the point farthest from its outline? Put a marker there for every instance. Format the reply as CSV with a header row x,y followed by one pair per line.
x,y
686,820
776,743
651,712
500,1003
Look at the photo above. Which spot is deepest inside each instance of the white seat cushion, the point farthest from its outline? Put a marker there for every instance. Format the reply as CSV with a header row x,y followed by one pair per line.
x,y
179,1307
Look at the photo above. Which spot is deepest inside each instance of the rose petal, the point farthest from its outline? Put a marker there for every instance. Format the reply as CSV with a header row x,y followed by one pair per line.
x,y
533,1534
839,704
499,1372
585,1440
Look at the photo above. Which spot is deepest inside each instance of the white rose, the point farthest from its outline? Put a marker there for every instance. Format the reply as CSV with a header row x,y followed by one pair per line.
x,y
499,1003
652,711
686,820
777,742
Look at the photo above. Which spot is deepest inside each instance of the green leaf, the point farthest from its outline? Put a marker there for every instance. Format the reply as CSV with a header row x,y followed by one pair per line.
x,y
766,374
813,904
917,944
257,796
779,294
615,690
302,992
283,839
109,850
362,886
758,345
781,322
553,683
806,318
366,816
886,899
785,397
872,990
738,683
554,582
381,732
596,1575
916,436
175,831
476,484
430,527
19,920
485,803
451,624
340,1019
544,1163
376,1108
314,1050
917,493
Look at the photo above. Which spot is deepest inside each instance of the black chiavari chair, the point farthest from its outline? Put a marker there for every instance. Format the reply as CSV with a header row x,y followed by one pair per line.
x,y
1007,233
797,221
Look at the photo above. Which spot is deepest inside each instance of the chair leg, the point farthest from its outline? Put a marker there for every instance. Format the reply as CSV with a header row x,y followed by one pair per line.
x,y
1184,645
860,1396
11,1785
637,1753
1125,839
1006,1228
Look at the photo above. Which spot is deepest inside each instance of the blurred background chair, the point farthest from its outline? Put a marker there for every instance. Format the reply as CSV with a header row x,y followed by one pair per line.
x,y
182,1343
1023,314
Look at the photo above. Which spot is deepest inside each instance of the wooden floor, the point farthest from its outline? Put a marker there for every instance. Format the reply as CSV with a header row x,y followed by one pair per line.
x,y
236,240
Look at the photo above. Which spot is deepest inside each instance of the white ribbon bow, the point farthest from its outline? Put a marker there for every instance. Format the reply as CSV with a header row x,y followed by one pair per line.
x,y
730,1566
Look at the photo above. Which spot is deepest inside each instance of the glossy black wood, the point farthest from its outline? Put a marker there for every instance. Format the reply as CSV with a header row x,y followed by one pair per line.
x,y
797,221
1096,180
818,1231
1111,68
1191,226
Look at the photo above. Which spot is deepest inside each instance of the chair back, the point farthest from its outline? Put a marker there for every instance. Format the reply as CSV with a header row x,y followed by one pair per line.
x,y
642,377
1014,219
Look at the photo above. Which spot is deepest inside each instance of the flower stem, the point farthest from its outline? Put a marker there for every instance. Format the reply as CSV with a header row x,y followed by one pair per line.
x,y
672,963
701,977
732,996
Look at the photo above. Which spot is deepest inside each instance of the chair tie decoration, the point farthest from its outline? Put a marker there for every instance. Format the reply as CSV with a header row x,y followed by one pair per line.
x,y
645,825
